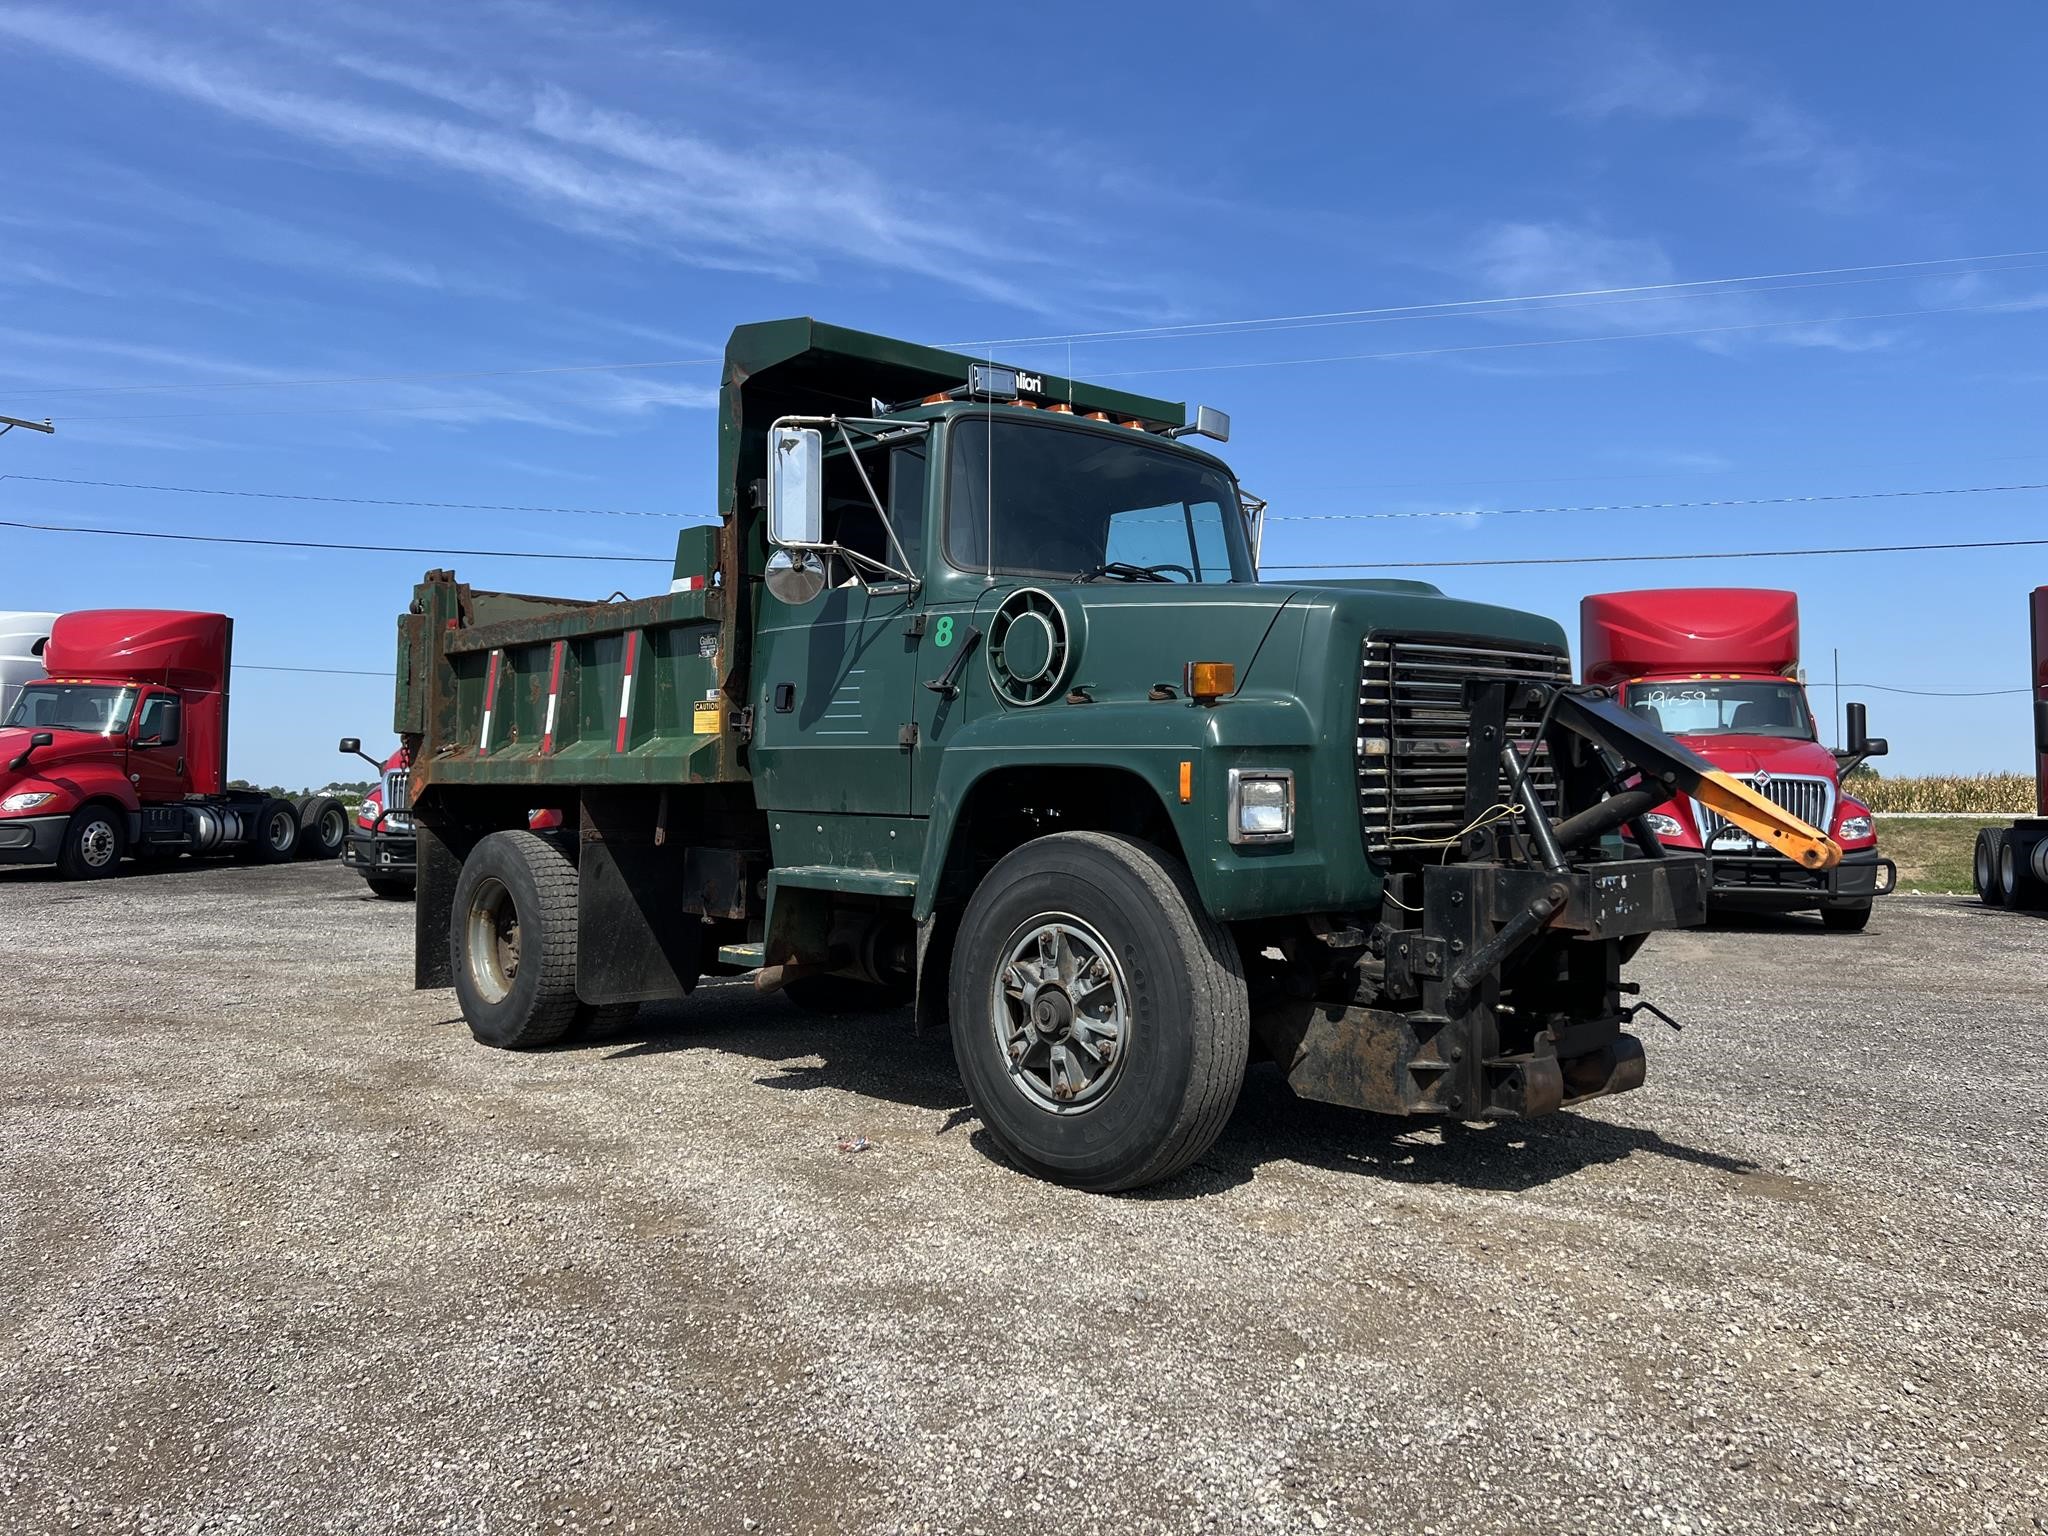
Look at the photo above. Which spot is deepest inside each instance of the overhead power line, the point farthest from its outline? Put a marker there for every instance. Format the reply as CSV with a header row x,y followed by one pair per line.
x,y
1941,693
1953,266
1704,554
254,666
1657,506
1546,341
378,378
352,501
355,548
1211,327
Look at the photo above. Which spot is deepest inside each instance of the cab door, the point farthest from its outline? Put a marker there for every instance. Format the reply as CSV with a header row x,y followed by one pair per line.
x,y
834,718
833,698
156,750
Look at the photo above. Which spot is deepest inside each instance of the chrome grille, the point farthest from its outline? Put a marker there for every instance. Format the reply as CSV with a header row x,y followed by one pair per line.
x,y
398,800
1413,728
1809,798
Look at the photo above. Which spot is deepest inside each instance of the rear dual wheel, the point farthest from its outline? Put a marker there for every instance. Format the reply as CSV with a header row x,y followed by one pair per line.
x,y
1099,1015
276,839
2018,885
1986,872
512,945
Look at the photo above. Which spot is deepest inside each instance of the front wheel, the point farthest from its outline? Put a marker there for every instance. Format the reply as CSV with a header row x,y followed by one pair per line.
x,y
512,941
385,888
93,843
1099,1015
1845,919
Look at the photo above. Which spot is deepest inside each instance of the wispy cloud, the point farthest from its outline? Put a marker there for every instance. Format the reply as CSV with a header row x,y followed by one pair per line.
x,y
1561,257
1631,74
558,157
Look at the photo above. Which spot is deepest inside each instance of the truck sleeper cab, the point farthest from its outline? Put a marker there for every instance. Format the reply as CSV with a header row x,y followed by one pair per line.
x,y
975,701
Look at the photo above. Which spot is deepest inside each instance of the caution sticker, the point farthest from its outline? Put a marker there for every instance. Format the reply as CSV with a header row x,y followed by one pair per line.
x,y
704,717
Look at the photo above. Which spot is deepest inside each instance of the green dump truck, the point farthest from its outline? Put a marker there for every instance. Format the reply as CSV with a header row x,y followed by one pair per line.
x,y
973,701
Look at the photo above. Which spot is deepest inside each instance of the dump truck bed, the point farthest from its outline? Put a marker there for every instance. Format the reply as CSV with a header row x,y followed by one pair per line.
x,y
502,690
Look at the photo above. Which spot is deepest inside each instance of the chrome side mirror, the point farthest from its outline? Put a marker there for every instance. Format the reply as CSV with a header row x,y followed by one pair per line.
x,y
794,576
1208,422
796,486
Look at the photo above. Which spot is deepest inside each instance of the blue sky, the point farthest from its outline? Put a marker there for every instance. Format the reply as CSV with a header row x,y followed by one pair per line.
x,y
208,205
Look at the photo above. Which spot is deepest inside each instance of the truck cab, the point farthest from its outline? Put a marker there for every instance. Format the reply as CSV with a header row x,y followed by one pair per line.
x,y
974,700
122,749
1718,669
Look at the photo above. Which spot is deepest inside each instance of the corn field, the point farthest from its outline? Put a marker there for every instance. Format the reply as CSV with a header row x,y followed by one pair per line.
x,y
1992,794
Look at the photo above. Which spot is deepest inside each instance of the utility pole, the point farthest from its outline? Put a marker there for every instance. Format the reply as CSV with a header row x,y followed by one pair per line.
x,y
9,423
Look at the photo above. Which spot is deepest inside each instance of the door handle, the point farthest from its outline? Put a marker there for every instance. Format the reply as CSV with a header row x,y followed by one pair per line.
x,y
947,684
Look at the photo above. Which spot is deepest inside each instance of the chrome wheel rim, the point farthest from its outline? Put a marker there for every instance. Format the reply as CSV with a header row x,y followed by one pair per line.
x,y
2008,871
96,844
1060,1010
492,939
1985,874
333,828
283,831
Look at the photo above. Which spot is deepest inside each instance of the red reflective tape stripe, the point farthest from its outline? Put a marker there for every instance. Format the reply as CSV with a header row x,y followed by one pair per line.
x,y
483,741
626,689
547,735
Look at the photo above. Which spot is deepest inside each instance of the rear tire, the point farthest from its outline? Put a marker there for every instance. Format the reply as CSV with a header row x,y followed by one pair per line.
x,y
1984,870
512,941
323,827
276,839
1846,919
93,843
2016,875
1099,1015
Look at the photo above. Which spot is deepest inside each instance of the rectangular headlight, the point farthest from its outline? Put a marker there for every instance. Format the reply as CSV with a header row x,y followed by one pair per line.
x,y
1261,805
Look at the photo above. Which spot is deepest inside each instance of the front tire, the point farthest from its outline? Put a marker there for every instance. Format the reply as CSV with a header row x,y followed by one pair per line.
x,y
512,941
93,843
386,889
1099,1015
1845,919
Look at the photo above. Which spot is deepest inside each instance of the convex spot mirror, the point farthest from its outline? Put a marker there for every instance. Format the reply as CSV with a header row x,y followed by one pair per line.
x,y
794,576
796,486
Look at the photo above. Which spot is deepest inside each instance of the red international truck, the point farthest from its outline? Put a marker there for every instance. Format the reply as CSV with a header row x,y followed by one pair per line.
x,y
1718,668
123,750
2011,867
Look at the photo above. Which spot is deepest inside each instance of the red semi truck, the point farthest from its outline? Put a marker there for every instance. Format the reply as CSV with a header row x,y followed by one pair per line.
x,y
123,750
1718,668
2011,866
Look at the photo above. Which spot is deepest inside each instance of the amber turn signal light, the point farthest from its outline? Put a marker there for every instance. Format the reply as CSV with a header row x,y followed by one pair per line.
x,y
1211,680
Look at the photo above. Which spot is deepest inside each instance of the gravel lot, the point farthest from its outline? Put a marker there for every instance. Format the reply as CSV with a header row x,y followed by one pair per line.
x,y
282,1250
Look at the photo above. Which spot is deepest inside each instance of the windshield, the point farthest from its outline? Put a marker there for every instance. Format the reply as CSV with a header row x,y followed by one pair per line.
x,y
1724,709
1037,499
101,708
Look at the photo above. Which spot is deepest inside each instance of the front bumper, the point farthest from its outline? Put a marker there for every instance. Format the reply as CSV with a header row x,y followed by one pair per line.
x,y
32,839
382,855
1772,882
1435,1040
